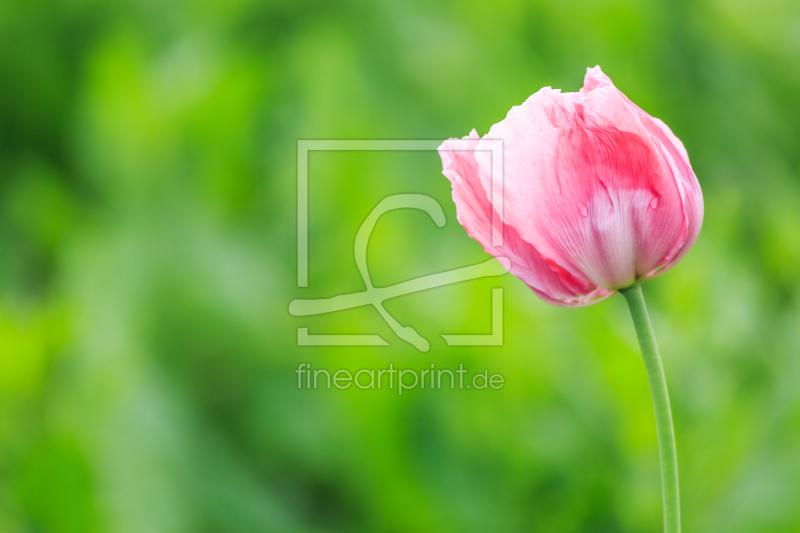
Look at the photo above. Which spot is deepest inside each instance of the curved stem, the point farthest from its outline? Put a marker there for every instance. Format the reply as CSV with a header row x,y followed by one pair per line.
x,y
658,388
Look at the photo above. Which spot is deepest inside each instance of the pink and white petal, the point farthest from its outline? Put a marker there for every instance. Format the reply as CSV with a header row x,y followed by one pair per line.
x,y
582,191
687,181
595,78
662,226
677,159
530,134
474,212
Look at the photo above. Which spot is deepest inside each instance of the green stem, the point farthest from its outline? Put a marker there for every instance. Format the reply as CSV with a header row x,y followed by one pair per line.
x,y
658,388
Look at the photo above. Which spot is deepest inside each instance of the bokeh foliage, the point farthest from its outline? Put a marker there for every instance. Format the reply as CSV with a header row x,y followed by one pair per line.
x,y
148,256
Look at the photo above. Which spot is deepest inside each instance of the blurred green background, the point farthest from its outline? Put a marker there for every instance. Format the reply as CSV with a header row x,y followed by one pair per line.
x,y
148,256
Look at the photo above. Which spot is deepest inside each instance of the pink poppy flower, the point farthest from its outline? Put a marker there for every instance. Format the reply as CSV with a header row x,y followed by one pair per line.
x,y
598,195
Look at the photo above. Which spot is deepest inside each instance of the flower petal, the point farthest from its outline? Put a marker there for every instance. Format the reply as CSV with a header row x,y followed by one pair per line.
x,y
474,211
586,185
690,189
